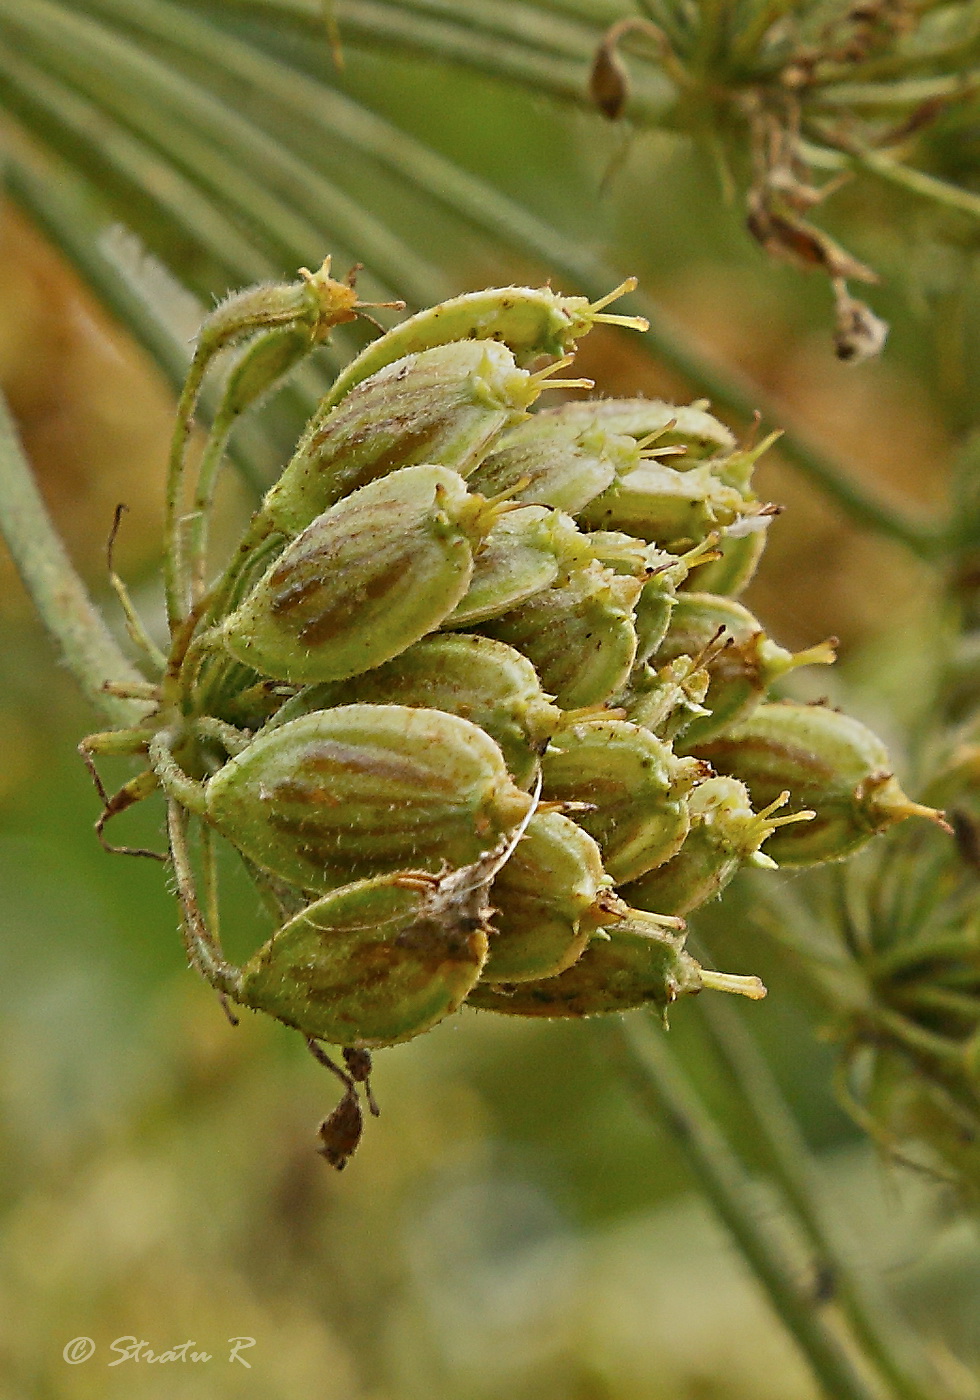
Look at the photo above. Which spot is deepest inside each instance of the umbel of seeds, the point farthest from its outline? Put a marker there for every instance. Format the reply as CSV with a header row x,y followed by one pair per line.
x,y
473,700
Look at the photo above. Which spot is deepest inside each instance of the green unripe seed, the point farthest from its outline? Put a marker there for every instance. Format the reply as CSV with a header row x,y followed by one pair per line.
x,y
675,425
563,464
655,605
365,790
481,680
531,321
638,963
672,508
636,785
739,559
579,634
376,962
725,834
667,699
444,406
545,901
740,659
524,552
826,761
369,577
624,554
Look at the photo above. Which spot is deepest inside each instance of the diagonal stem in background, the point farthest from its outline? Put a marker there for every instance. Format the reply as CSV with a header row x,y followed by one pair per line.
x,y
650,1066
889,1343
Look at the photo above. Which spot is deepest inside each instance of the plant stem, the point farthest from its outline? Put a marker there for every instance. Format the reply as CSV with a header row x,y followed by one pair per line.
x,y
55,588
917,182
662,1088
869,1312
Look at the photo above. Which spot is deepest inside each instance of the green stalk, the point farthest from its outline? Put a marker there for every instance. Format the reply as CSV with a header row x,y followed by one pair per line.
x,y
884,1336
60,596
663,1089
916,182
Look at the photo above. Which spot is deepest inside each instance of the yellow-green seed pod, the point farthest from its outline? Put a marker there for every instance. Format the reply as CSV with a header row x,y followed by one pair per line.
x,y
553,462
444,406
669,507
524,552
671,425
739,556
316,303
364,790
742,665
667,699
545,899
655,605
622,553
636,786
532,321
639,963
828,762
374,963
475,677
579,634
725,834
369,577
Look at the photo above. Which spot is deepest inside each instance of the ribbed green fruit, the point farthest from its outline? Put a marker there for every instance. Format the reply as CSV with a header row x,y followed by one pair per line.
x,y
376,962
639,962
365,790
725,834
546,900
579,634
636,786
444,406
740,659
826,761
479,679
369,577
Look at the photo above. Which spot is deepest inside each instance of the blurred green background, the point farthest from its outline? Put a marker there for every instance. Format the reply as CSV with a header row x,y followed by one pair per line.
x,y
512,1225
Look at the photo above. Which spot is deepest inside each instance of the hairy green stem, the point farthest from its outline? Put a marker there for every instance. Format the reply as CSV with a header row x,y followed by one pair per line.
x,y
662,1087
56,590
